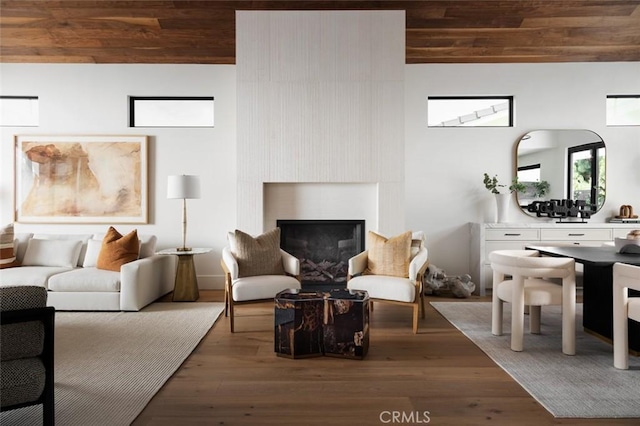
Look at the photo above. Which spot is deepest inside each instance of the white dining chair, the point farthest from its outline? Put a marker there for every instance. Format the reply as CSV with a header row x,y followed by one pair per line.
x,y
529,283
624,308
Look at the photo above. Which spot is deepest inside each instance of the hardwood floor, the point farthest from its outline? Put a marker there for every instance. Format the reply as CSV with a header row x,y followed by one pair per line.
x,y
437,377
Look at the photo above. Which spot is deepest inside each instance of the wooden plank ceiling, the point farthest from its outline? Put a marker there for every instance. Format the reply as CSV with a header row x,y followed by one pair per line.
x,y
203,32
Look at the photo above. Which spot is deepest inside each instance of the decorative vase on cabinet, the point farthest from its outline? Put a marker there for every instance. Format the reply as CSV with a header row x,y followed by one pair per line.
x,y
502,206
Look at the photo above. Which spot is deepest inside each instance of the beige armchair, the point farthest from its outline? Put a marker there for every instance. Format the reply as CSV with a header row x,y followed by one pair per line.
x,y
625,308
27,337
256,269
391,271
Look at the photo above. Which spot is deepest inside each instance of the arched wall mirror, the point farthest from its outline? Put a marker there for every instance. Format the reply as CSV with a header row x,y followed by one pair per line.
x,y
560,164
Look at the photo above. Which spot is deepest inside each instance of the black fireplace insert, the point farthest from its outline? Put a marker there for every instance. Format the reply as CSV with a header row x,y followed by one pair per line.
x,y
323,247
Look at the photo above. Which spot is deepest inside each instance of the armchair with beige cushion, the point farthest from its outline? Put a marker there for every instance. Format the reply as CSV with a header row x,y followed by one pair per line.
x,y
256,269
391,270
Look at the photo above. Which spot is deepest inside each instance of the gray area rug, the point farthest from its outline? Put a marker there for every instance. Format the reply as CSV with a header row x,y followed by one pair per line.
x,y
108,365
585,385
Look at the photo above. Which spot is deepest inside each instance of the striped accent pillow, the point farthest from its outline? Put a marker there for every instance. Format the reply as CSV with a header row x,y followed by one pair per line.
x,y
388,256
7,249
258,256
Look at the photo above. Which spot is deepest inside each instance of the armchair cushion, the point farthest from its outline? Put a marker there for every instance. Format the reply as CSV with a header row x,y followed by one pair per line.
x,y
261,287
385,287
257,255
389,256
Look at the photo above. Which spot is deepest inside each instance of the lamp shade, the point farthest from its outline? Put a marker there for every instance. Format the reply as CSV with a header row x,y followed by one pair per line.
x,y
183,186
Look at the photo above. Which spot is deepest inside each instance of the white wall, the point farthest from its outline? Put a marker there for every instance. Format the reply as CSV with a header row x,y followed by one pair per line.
x,y
93,99
444,189
444,167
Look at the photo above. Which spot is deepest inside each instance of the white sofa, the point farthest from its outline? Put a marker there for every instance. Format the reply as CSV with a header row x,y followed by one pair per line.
x,y
65,265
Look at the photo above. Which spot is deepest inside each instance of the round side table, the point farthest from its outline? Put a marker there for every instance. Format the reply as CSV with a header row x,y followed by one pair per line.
x,y
186,286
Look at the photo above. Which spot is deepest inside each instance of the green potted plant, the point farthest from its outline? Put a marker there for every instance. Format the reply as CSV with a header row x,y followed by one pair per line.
x,y
491,183
502,198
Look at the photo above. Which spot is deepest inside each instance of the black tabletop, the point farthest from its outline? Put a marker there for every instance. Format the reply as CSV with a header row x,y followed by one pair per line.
x,y
601,256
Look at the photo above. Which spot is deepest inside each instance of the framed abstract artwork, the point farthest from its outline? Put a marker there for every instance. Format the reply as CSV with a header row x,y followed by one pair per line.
x,y
81,179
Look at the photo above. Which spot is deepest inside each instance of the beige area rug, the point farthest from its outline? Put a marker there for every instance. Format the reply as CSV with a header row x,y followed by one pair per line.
x,y
108,365
585,385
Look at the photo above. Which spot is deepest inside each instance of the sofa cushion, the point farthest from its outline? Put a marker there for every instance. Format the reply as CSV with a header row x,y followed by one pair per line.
x,y
62,253
257,255
75,237
7,247
29,275
86,280
118,249
93,251
388,256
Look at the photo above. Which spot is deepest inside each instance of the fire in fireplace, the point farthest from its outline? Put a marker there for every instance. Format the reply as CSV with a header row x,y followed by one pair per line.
x,y
324,248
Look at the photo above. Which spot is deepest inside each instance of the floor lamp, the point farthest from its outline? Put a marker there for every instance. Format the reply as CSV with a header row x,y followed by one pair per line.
x,y
184,187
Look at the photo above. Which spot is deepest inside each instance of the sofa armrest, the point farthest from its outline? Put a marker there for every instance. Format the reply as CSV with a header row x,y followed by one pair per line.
x,y
418,265
290,263
145,280
230,263
358,263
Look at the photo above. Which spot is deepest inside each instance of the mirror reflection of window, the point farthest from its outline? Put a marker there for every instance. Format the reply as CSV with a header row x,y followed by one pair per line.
x,y
550,150
587,173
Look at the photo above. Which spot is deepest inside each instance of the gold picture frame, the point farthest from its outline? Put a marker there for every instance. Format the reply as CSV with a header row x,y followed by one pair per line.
x,y
81,179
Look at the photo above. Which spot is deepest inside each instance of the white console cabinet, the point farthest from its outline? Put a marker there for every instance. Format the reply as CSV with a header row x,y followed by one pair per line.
x,y
487,237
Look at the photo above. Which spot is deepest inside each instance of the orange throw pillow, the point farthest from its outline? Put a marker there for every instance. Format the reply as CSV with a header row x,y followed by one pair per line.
x,y
389,256
116,250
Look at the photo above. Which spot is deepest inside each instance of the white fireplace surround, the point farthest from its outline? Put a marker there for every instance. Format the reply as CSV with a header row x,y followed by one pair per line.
x,y
321,201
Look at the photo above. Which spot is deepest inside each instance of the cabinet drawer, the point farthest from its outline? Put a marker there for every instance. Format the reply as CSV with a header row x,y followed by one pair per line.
x,y
505,245
576,234
514,234
622,233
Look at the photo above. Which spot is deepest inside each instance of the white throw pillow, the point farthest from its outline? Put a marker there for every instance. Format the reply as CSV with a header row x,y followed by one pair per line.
x,y
63,253
91,256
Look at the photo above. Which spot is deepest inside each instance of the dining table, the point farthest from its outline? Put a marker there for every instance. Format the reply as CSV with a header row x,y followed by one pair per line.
x,y
597,292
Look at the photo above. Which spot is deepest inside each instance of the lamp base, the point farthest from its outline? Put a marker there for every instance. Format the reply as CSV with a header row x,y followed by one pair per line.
x,y
183,249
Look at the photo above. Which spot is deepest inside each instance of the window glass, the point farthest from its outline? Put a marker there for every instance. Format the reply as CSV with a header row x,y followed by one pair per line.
x,y
19,111
171,112
623,110
470,111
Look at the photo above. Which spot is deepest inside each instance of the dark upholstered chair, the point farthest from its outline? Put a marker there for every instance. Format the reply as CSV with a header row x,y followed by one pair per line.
x,y
26,351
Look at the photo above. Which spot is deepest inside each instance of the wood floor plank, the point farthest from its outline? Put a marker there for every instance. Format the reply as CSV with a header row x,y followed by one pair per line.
x,y
237,379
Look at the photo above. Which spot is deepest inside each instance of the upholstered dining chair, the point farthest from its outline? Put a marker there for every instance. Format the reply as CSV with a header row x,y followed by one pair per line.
x,y
256,269
391,270
26,352
530,283
625,308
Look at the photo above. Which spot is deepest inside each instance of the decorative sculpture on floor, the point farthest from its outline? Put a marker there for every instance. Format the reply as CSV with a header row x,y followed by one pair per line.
x,y
562,209
436,281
